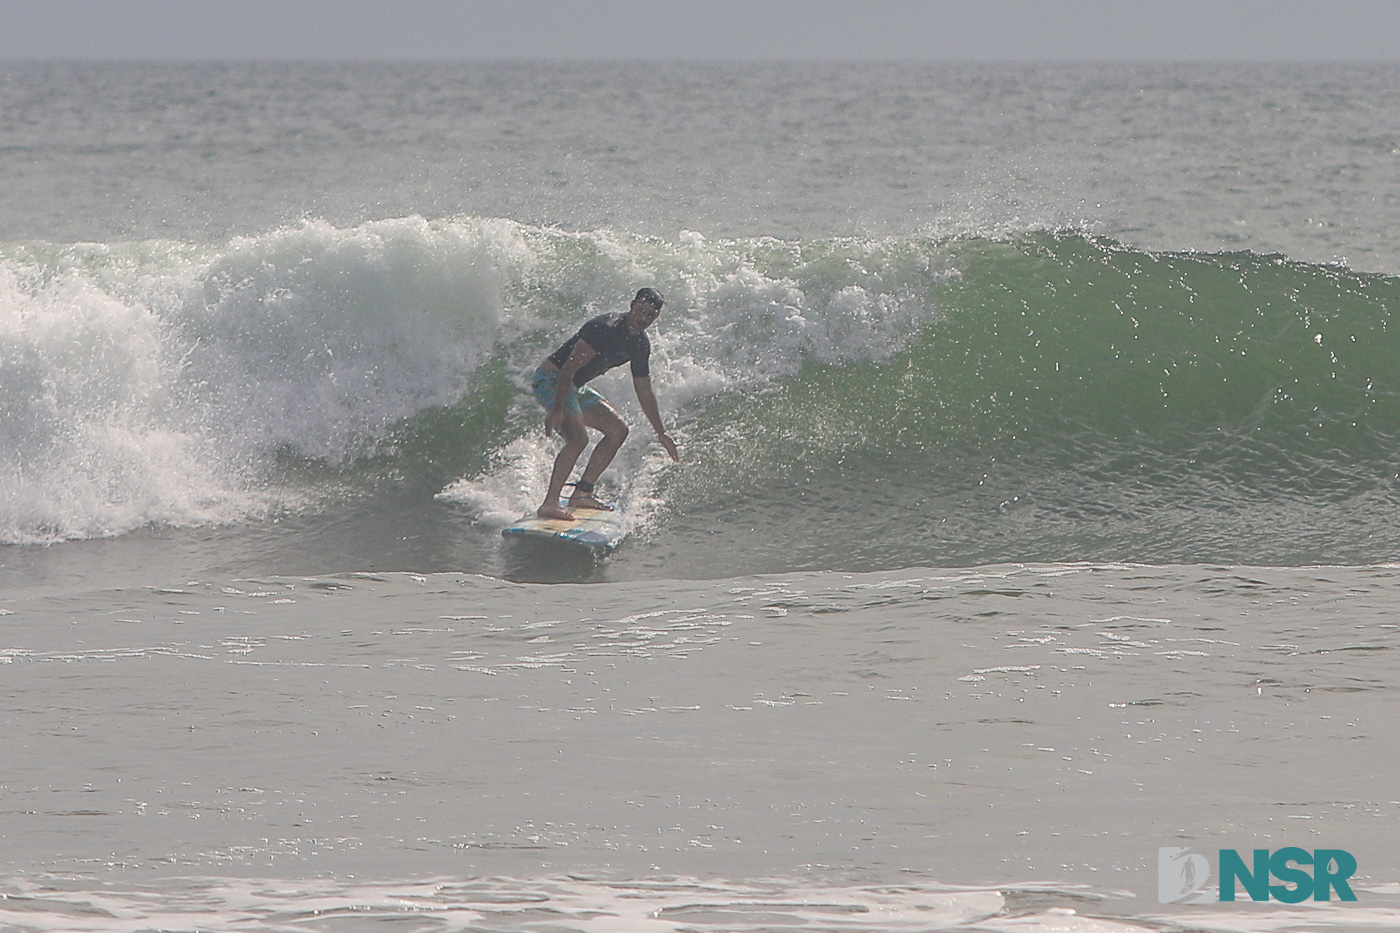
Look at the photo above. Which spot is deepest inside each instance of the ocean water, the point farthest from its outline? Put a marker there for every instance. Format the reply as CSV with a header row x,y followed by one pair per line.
x,y
1037,507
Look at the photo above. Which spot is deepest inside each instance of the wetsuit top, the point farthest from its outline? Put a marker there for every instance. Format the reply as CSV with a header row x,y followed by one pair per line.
x,y
608,334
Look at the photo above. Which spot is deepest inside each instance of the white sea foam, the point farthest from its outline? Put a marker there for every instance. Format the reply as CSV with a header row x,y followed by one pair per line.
x,y
597,904
157,385
315,339
605,905
90,443
565,903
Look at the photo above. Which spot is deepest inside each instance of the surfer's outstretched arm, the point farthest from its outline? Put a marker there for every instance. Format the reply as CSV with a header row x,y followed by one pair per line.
x,y
653,412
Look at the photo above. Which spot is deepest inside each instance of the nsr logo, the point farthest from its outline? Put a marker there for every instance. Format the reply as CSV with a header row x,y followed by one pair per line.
x,y
1182,875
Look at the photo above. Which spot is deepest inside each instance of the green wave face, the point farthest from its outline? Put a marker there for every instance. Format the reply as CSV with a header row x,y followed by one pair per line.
x,y
1076,400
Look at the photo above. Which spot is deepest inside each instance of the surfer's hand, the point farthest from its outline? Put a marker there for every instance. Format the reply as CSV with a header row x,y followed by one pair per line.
x,y
554,423
669,444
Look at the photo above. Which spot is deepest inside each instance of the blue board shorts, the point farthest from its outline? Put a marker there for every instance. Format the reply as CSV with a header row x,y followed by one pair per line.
x,y
545,384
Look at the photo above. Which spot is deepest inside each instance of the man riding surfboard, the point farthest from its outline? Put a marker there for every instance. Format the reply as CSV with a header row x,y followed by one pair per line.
x,y
571,407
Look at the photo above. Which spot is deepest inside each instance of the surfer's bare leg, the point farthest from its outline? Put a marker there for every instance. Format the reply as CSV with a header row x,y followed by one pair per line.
x,y
575,441
600,417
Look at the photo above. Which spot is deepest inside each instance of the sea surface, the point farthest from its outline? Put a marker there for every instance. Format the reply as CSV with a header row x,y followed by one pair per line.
x,y
1039,505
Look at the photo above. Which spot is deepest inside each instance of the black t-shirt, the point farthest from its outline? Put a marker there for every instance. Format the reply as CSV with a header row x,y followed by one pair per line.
x,y
616,344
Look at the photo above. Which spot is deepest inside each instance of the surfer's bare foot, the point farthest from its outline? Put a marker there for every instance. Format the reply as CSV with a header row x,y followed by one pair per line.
x,y
585,501
555,511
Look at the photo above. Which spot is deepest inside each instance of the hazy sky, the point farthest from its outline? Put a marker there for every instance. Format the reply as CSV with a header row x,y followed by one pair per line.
x,y
930,30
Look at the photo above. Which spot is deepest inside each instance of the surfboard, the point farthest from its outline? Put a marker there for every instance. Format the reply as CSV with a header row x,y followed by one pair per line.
x,y
599,529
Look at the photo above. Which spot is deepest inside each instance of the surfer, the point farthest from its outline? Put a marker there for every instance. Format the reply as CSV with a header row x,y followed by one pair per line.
x,y
571,407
